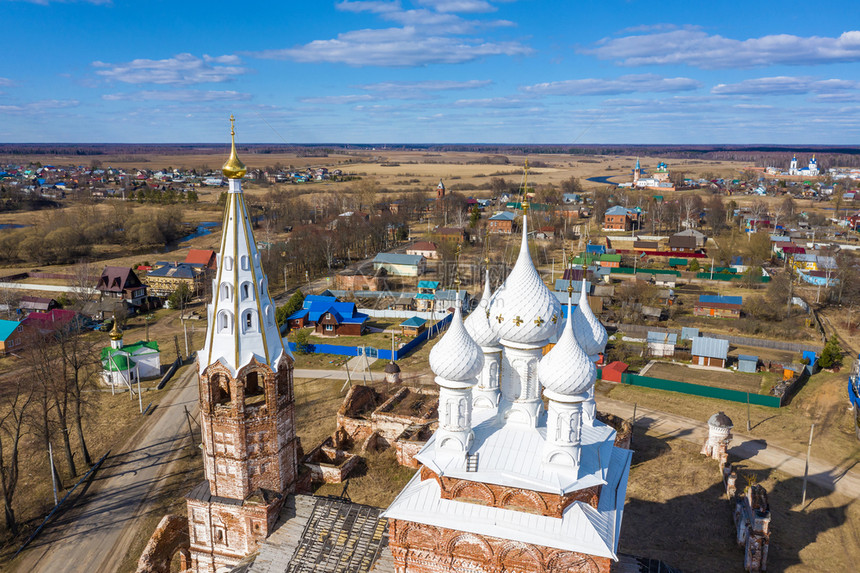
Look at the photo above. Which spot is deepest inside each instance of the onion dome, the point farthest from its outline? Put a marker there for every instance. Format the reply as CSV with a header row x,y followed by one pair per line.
x,y
566,369
524,310
478,323
589,332
720,420
234,168
392,368
115,332
456,357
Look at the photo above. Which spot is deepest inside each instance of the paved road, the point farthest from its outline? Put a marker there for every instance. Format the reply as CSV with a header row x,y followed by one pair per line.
x,y
843,480
94,534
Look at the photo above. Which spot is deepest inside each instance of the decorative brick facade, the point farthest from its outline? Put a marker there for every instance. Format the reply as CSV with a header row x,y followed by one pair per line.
x,y
517,499
427,549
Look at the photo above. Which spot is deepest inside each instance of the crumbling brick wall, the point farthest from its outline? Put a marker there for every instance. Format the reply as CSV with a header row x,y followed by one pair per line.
x,y
170,537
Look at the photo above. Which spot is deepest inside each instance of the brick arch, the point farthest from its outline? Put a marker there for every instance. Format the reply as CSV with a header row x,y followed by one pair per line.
x,y
523,500
517,556
479,492
569,561
460,544
169,538
419,537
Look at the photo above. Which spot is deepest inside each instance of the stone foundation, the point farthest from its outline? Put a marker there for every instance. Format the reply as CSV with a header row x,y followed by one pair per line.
x,y
328,464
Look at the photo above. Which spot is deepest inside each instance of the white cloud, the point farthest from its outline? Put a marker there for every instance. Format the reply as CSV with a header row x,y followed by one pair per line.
x,y
6,82
696,47
178,95
459,6
493,102
786,85
339,99
372,6
395,47
38,106
181,69
633,83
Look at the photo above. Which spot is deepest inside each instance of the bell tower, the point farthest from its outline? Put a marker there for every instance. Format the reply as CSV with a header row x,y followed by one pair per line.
x,y
245,377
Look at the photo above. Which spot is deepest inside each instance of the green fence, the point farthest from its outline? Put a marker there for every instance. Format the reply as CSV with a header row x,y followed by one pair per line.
x,y
631,270
730,277
699,390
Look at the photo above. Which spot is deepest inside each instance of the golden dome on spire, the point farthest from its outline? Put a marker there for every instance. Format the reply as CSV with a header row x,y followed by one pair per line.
x,y
234,168
115,332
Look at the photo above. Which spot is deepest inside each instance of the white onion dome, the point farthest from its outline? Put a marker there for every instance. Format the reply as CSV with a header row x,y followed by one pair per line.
x,y
478,323
456,357
523,310
588,329
566,369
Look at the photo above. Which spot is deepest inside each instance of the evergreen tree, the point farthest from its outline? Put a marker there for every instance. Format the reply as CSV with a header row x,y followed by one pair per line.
x,y
832,354
292,305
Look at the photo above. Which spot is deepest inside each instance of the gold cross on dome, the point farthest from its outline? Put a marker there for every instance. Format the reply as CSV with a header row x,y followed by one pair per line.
x,y
518,321
539,321
554,318
232,120
500,318
488,312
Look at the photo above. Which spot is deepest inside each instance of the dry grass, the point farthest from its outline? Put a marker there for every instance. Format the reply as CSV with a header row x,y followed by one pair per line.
x,y
741,381
822,401
676,511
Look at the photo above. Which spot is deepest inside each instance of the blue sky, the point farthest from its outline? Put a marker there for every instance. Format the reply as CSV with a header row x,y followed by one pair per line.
x,y
431,71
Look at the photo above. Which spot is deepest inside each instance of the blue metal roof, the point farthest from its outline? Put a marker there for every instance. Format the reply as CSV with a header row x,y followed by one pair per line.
x,y
503,216
414,322
710,298
428,284
710,347
662,337
747,358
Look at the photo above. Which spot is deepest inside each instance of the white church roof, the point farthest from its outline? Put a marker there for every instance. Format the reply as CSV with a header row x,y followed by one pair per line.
x,y
581,528
478,322
510,455
456,356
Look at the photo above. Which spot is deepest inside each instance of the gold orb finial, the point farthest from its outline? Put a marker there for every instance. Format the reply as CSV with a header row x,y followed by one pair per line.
x,y
115,332
234,168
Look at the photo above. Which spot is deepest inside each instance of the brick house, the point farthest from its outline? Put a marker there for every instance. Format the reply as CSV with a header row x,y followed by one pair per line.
x,y
619,218
502,223
11,336
424,248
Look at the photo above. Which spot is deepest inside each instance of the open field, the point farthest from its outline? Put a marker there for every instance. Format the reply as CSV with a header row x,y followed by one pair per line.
x,y
822,400
676,511
741,381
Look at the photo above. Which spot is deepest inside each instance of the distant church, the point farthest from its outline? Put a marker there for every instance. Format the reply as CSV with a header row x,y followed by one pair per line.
x,y
810,171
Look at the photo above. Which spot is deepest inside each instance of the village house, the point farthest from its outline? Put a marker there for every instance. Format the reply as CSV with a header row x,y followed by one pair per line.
x,y
426,297
684,243
451,234
397,264
718,306
710,351
357,280
426,249
121,283
502,223
11,333
166,278
329,317
620,218
413,326
700,237
37,303
661,344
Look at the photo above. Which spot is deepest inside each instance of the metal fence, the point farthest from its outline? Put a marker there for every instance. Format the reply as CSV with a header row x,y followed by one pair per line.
x,y
637,329
699,390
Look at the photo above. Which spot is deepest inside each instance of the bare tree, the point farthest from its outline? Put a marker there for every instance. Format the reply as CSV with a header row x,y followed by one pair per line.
x,y
15,401
85,278
81,364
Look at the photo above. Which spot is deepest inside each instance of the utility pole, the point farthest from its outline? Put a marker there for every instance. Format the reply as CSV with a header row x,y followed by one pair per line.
x,y
748,411
53,473
806,468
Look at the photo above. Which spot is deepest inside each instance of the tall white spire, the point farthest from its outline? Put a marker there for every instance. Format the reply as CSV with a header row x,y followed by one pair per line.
x,y
241,314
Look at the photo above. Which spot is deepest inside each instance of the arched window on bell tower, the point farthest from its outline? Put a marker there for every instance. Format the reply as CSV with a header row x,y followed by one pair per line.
x,y
220,389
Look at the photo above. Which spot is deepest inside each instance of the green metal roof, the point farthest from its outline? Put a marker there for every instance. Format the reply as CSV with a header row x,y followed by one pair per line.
x,y
118,363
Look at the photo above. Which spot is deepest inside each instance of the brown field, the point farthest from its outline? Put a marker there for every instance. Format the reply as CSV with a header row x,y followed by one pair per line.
x,y
676,511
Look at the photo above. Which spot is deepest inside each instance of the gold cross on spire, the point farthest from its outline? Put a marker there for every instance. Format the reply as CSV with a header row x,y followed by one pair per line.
x,y
525,203
232,126
457,266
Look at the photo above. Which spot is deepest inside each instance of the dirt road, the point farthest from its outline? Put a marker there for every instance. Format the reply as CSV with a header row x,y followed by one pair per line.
x,y
93,534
